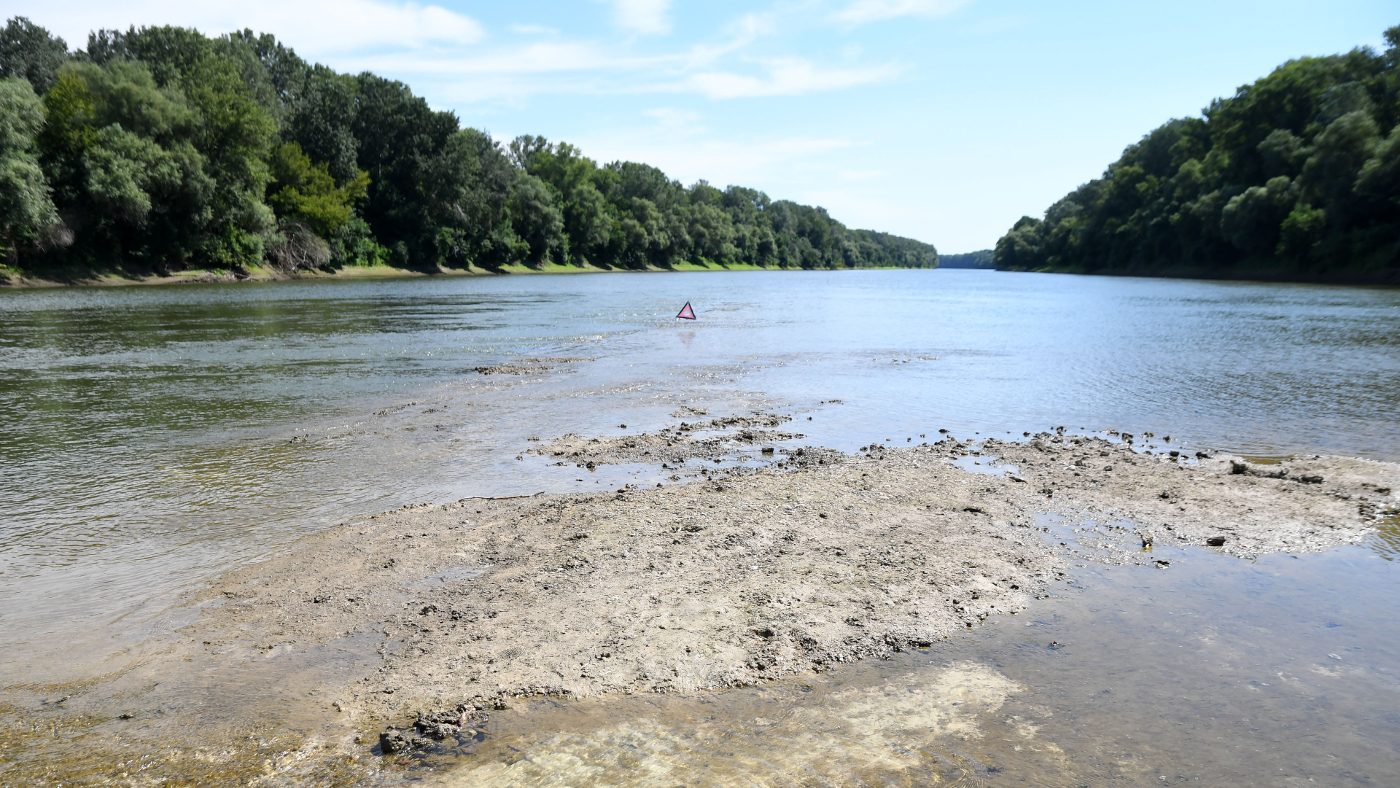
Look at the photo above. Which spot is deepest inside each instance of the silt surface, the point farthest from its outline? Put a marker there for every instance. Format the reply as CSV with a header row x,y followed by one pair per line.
x,y
424,629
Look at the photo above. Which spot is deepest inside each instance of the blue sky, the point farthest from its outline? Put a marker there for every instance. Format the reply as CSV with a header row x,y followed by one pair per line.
x,y
944,120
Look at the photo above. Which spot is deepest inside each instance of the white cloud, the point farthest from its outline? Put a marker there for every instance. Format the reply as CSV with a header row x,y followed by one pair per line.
x,y
676,121
318,27
786,77
584,68
863,11
571,67
643,16
742,32
751,162
545,57
433,48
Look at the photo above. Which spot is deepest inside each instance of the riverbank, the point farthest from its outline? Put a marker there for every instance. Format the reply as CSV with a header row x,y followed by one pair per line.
x,y
15,279
723,575
1388,277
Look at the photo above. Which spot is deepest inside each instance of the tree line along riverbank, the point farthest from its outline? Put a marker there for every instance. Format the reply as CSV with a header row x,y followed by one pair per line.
x,y
1295,177
159,150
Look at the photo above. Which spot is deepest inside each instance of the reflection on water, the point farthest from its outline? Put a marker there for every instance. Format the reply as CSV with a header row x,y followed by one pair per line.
x,y
1386,540
1285,671
154,435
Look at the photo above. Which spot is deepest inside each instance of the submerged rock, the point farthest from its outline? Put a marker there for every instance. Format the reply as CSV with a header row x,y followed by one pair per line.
x,y
396,740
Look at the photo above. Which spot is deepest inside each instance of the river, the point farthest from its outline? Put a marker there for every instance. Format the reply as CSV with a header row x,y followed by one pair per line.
x,y
154,436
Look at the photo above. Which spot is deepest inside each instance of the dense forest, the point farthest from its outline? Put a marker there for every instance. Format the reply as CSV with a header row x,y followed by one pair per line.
x,y
979,259
1296,176
160,149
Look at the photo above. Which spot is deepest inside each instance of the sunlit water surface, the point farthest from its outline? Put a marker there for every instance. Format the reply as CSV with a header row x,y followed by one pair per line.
x,y
154,436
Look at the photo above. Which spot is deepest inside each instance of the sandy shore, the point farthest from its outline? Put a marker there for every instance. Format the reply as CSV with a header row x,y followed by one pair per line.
x,y
797,561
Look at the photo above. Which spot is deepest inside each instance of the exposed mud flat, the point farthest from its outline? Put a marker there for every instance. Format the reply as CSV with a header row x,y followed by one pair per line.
x,y
853,735
529,366
752,574
706,440
818,559
1246,509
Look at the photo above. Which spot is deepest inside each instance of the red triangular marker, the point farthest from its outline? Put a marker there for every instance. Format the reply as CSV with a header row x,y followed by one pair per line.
x,y
686,312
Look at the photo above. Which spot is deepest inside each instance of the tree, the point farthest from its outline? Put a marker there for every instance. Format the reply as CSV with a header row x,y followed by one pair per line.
x,y
418,202
321,119
1338,154
1379,177
1294,172
537,220
1252,220
25,205
28,51
305,192
120,151
162,147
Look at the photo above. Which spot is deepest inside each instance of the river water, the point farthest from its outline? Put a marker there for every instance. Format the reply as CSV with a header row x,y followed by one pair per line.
x,y
155,436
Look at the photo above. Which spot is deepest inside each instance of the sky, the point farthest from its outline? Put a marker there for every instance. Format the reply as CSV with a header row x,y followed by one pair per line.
x,y
941,120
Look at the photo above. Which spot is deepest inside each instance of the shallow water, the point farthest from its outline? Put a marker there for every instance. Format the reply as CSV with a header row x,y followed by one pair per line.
x,y
1213,671
155,435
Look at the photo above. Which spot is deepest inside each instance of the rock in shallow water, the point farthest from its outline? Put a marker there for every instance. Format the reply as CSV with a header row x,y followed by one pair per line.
x,y
394,741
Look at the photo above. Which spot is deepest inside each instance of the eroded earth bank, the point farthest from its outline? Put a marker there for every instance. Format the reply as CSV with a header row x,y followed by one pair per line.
x,y
407,629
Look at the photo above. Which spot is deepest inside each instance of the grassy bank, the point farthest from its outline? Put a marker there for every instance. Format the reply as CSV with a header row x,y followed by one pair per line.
x,y
15,278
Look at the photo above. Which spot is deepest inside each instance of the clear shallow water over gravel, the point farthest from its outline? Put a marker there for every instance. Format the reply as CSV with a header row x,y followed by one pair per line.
x,y
154,435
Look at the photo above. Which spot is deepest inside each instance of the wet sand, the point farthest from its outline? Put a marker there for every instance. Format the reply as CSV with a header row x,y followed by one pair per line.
x,y
303,667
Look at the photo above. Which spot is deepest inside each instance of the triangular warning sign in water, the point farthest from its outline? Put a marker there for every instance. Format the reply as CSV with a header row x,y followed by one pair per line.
x,y
686,312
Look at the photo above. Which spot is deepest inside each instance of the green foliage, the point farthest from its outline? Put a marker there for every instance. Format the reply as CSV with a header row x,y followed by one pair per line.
x,y
26,209
632,215
1251,220
1296,175
1300,233
128,175
536,219
355,244
122,155
28,51
157,150
320,117
306,192
165,148
978,259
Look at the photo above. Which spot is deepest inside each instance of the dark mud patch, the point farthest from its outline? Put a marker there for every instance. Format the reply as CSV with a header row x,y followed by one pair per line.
x,y
529,366
705,440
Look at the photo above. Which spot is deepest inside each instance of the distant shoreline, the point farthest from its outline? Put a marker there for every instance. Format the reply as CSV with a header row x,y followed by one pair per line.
x,y
1389,278
12,280
22,281
25,281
